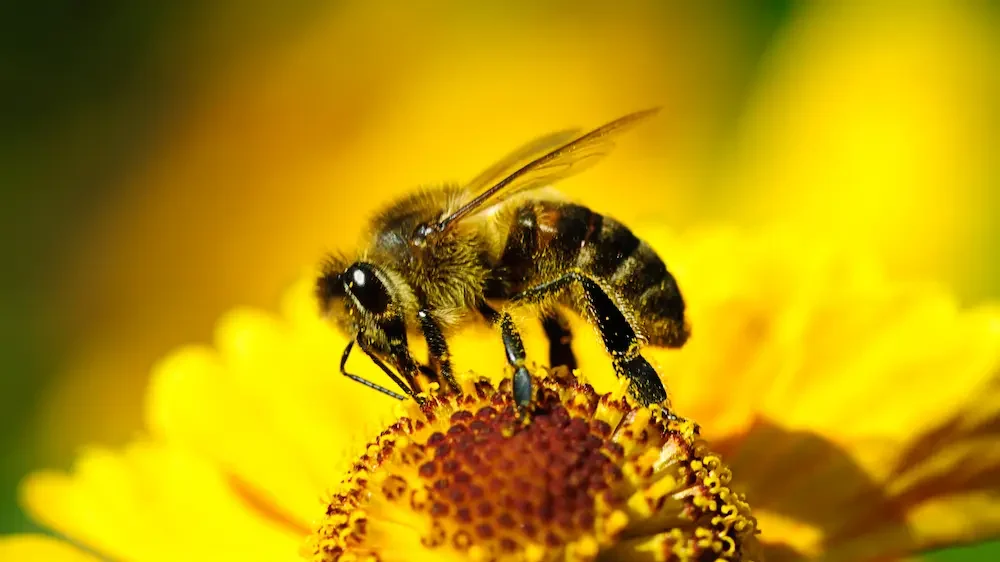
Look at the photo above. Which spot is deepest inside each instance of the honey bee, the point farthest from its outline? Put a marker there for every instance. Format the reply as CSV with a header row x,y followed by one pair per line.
x,y
438,259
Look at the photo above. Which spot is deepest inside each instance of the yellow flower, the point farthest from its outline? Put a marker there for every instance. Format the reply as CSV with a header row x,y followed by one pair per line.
x,y
462,477
857,415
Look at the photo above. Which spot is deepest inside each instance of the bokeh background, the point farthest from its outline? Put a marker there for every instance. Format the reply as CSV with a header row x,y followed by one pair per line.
x,y
162,162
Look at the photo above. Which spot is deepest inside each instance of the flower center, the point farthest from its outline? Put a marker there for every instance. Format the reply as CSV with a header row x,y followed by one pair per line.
x,y
538,484
588,475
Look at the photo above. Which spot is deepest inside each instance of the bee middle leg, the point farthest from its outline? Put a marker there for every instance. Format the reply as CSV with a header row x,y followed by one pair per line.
x,y
514,350
619,337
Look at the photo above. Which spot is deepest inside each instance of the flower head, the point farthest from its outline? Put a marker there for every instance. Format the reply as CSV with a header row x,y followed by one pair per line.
x,y
464,477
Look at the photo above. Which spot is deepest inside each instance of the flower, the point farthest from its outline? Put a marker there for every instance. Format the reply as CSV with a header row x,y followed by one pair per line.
x,y
464,477
857,415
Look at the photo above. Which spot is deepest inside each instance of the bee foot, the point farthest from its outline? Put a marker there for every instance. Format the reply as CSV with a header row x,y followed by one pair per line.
x,y
522,387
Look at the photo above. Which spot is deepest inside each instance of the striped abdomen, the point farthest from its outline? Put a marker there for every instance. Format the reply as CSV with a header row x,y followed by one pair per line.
x,y
551,237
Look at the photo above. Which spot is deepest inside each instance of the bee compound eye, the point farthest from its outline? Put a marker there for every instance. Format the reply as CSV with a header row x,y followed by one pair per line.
x,y
360,279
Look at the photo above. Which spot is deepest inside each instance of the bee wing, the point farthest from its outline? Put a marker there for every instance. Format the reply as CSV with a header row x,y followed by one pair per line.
x,y
517,159
524,169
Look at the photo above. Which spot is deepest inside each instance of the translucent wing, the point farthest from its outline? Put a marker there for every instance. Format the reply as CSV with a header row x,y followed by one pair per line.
x,y
519,172
517,159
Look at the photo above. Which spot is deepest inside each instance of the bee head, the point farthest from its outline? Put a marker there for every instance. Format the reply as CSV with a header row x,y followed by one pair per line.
x,y
359,297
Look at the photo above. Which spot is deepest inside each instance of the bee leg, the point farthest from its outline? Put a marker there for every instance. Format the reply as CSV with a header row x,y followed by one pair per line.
x,y
437,347
368,383
514,349
560,339
619,337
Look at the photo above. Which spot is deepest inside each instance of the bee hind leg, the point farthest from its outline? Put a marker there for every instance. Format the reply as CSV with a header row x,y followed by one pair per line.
x,y
618,336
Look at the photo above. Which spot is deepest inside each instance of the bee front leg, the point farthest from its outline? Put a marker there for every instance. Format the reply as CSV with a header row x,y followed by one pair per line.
x,y
437,347
368,383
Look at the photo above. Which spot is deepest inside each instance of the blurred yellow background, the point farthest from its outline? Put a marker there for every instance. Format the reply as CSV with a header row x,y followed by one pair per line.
x,y
164,164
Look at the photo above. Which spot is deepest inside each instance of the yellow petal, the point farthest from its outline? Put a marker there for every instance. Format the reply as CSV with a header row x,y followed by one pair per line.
x,y
870,397
734,303
870,125
788,535
905,362
957,519
158,504
270,406
38,548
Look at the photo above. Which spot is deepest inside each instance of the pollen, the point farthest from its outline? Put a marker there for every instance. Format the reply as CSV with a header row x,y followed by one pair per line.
x,y
463,477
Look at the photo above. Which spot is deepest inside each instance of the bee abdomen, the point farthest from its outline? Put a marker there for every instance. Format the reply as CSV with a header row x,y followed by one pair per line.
x,y
607,246
634,270
550,237
644,281
553,236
